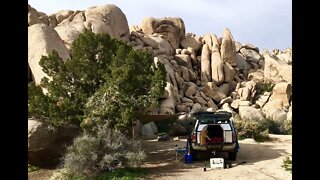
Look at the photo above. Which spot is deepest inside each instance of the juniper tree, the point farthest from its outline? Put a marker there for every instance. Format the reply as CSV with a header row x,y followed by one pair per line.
x,y
104,80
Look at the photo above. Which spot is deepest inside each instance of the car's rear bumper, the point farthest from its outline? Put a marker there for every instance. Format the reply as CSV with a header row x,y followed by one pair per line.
x,y
218,147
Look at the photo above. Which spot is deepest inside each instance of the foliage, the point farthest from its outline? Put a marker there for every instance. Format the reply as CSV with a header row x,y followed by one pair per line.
x,y
105,150
263,87
287,164
251,129
105,80
287,126
32,168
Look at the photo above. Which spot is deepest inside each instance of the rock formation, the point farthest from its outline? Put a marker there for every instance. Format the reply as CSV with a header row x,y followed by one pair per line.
x,y
203,72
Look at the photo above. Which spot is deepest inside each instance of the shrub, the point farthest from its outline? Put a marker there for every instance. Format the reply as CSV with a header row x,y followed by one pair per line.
x,y
32,168
287,164
251,129
263,87
105,150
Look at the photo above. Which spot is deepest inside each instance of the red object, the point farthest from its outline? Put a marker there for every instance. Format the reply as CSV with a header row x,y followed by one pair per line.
x,y
194,138
216,139
233,136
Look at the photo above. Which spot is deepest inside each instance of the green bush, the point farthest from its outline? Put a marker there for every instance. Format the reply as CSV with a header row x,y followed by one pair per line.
x,y
32,168
263,87
105,150
251,129
287,164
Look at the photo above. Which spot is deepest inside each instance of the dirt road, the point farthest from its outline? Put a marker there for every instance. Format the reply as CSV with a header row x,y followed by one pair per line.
x,y
263,161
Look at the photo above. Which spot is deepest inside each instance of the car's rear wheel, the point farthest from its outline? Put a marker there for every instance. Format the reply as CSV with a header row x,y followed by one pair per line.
x,y
232,156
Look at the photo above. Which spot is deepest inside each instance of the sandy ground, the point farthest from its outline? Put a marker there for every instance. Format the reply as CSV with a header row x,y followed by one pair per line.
x,y
262,162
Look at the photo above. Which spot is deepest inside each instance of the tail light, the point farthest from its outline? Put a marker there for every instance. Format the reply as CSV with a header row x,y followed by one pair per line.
x,y
194,138
233,136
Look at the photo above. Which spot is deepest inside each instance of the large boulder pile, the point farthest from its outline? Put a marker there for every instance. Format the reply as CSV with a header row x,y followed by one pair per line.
x,y
204,73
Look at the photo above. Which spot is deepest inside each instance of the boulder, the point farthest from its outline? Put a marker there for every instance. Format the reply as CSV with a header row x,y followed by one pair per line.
x,y
244,103
62,15
107,19
275,70
193,42
228,48
182,108
69,32
250,46
187,103
178,130
197,108
192,75
199,99
185,73
42,40
46,145
238,46
289,114
229,72
172,28
149,129
227,100
276,115
34,17
262,100
241,62
207,39
183,60
191,90
250,113
167,106
286,56
250,54
149,42
212,91
226,107
212,105
217,67
282,91
205,64
235,104
225,89
256,76
164,46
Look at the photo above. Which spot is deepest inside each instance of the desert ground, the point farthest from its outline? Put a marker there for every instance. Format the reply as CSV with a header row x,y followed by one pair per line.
x,y
255,161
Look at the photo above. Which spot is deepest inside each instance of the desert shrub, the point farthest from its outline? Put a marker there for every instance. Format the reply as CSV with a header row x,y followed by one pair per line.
x,y
287,126
263,87
105,150
287,164
251,129
32,168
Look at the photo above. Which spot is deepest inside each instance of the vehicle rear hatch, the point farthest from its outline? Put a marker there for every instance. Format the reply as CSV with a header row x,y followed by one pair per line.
x,y
214,134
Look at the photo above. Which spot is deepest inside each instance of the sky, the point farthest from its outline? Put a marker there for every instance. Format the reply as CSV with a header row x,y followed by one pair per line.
x,y
266,24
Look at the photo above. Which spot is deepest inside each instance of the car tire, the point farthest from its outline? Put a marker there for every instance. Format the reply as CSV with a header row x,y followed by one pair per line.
x,y
232,156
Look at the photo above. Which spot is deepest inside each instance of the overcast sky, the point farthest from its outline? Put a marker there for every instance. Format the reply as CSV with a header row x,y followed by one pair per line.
x,y
266,24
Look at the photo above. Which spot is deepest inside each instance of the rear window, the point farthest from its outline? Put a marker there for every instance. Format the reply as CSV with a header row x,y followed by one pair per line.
x,y
213,120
